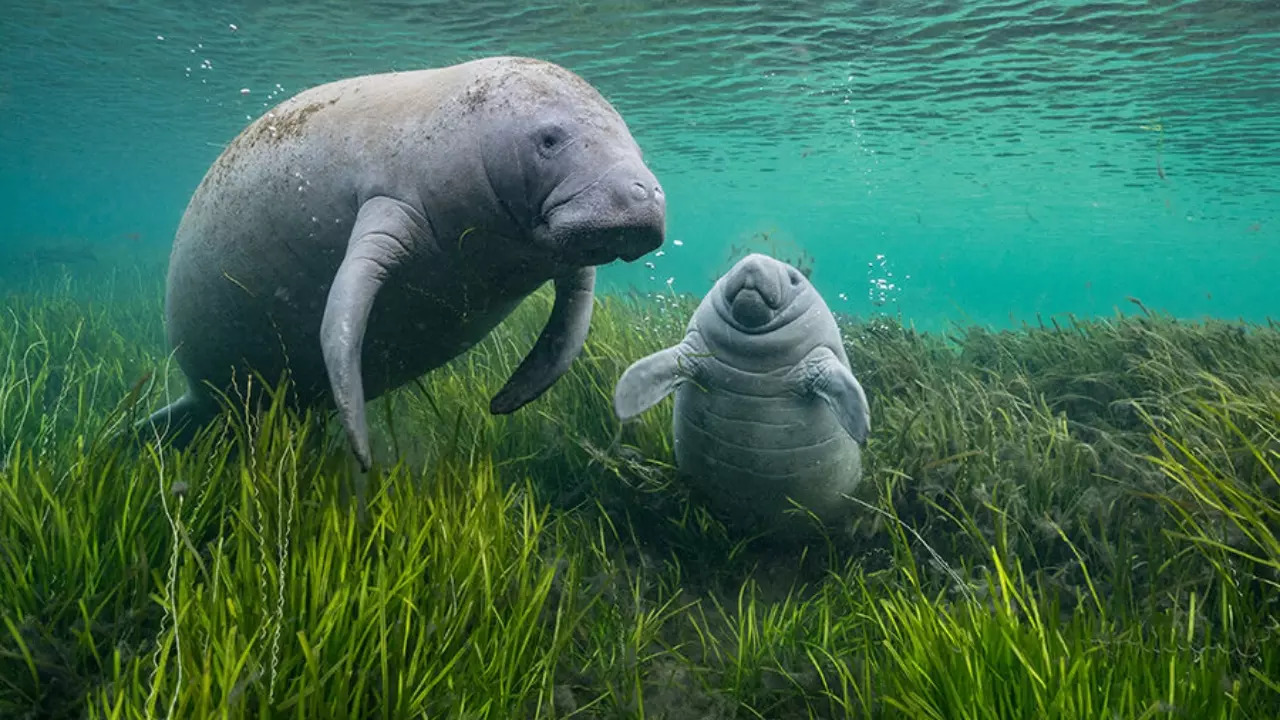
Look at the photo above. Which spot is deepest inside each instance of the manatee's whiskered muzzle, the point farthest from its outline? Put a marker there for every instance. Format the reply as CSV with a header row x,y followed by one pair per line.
x,y
750,309
758,291
615,217
758,277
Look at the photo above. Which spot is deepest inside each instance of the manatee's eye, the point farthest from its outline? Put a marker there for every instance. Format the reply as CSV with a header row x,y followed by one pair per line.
x,y
550,138
795,277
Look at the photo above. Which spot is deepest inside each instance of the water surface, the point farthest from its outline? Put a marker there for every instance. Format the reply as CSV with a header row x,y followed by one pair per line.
x,y
945,160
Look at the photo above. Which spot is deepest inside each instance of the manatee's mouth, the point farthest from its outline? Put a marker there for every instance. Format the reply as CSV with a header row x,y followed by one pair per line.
x,y
760,293
600,255
755,295
750,308
594,245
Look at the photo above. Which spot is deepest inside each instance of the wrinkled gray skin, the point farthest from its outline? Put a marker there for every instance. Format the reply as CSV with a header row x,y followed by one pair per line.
x,y
766,405
368,230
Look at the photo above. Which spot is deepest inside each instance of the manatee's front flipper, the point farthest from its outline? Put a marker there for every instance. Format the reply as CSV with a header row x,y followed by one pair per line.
x,y
384,234
651,378
821,373
176,423
558,344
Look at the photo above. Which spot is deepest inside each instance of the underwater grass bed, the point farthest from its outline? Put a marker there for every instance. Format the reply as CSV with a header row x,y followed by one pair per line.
x,y
1062,521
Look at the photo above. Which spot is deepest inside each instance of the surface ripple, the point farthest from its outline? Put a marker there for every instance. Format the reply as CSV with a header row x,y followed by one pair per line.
x,y
808,104
749,75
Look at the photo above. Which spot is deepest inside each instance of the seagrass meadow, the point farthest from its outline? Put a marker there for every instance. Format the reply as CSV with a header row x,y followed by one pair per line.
x,y
1070,519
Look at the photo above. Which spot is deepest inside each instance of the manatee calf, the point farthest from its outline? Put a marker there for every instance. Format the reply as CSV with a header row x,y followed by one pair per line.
x,y
767,409
368,230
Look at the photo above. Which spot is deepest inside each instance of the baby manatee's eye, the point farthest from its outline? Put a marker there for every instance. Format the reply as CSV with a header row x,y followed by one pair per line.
x,y
795,277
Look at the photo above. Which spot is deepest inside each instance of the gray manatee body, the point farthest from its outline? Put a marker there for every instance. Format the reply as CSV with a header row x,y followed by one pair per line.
x,y
767,410
368,230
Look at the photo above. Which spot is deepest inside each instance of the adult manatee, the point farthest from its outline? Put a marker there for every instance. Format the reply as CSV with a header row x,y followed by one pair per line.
x,y
368,230
767,409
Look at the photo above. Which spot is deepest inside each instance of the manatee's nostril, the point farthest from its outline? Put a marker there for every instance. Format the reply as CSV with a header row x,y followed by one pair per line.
x,y
639,191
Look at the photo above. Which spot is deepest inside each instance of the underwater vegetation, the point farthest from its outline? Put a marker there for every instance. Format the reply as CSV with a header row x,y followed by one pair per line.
x,y
1076,519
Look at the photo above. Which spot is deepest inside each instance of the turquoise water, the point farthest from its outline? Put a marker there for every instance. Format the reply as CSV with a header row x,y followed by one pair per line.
x,y
948,161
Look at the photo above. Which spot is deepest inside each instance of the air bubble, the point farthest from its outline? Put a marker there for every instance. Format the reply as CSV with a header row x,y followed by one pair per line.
x,y
881,290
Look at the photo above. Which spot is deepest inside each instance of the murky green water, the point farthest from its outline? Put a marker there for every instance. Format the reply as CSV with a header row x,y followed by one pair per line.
x,y
944,160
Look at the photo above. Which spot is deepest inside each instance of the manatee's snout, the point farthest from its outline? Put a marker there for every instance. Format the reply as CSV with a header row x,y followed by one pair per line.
x,y
622,214
645,218
756,289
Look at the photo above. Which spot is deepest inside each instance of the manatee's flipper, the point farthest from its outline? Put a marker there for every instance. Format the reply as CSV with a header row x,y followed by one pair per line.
x,y
178,422
821,373
557,346
650,379
384,231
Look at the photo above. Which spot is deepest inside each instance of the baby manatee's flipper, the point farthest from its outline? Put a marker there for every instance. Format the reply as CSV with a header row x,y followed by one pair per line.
x,y
384,231
557,346
821,373
176,423
650,379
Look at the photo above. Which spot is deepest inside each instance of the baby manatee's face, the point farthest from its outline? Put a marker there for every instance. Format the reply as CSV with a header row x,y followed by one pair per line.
x,y
760,294
563,162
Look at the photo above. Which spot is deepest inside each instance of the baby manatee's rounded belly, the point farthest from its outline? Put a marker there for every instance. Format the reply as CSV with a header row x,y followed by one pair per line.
x,y
750,455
